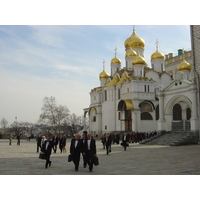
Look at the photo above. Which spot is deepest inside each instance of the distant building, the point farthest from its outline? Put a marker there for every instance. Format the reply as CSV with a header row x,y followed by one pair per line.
x,y
136,97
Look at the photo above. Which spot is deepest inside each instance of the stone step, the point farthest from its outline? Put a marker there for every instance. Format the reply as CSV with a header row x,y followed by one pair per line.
x,y
172,139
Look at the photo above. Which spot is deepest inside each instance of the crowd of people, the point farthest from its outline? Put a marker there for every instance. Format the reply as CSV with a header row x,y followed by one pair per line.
x,y
132,137
85,146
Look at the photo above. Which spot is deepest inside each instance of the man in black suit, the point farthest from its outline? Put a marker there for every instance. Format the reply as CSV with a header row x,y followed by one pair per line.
x,y
110,138
89,150
55,142
75,150
38,139
83,141
107,142
125,140
47,148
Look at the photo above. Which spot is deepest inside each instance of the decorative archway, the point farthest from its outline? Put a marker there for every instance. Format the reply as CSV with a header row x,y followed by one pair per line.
x,y
126,105
175,108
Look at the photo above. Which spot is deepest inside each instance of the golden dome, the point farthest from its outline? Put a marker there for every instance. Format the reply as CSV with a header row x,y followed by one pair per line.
x,y
157,55
138,60
134,41
130,53
104,75
184,66
115,61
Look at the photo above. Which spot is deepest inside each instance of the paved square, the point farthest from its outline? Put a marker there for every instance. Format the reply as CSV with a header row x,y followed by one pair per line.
x,y
137,160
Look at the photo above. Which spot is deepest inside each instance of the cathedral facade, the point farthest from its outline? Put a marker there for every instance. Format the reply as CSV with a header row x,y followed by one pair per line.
x,y
162,97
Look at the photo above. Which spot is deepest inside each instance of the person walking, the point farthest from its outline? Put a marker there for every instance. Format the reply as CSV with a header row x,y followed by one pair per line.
x,y
47,148
10,139
103,140
107,142
75,150
125,140
38,139
110,138
55,142
64,144
90,151
60,143
83,141
18,139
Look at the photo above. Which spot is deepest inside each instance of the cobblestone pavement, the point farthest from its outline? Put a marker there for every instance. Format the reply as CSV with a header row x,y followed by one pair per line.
x,y
137,160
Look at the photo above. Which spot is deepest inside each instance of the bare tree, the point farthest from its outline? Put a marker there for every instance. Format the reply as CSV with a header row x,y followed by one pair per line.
x,y
52,115
4,123
18,127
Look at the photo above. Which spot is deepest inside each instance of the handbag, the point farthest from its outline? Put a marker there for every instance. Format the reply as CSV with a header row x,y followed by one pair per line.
x,y
96,160
42,155
70,158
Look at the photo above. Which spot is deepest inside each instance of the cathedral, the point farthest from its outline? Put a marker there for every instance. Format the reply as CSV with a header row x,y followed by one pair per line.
x,y
136,97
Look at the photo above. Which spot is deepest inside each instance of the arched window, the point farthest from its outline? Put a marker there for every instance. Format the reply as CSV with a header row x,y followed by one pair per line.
x,y
146,116
177,112
146,107
188,113
94,118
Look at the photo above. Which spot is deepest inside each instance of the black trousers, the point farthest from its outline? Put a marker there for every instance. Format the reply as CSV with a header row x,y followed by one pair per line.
x,y
108,148
124,143
76,160
89,159
55,147
47,157
38,146
84,161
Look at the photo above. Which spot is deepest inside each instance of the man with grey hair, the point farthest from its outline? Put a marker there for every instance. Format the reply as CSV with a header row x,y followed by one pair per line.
x,y
75,150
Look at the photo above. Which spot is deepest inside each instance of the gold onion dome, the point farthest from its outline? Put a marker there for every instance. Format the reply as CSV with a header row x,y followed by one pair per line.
x,y
138,60
184,66
130,53
115,61
104,75
134,41
157,55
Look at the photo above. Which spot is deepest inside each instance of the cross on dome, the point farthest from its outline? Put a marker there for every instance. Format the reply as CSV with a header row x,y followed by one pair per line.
x,y
156,45
103,64
115,51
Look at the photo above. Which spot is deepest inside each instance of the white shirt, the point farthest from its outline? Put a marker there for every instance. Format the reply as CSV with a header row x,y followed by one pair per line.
x,y
47,144
76,142
89,141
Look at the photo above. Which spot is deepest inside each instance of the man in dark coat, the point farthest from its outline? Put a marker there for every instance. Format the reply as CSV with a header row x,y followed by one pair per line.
x,y
55,142
47,148
38,139
89,150
75,150
83,141
125,140
107,142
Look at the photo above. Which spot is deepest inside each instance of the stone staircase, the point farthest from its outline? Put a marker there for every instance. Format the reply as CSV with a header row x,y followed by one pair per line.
x,y
172,139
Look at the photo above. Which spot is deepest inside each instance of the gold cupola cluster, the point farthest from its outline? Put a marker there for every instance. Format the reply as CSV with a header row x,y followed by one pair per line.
x,y
134,41
157,55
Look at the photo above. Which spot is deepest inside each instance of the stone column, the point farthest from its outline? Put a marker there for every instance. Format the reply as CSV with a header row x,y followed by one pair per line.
x,y
161,121
194,119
